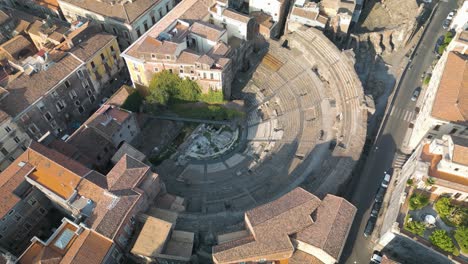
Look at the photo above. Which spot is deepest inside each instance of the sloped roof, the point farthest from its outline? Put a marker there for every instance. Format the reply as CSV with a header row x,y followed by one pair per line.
x,y
451,101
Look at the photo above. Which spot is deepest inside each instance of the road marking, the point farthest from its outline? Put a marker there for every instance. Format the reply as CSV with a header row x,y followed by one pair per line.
x,y
391,112
407,115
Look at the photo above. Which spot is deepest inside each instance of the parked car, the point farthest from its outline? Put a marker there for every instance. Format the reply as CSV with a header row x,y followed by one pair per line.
x,y
376,258
439,42
416,94
386,180
376,209
379,196
448,20
370,226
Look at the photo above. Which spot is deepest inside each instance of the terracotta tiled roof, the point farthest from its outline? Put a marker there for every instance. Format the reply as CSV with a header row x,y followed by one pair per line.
x,y
107,120
25,90
206,30
126,11
55,171
236,16
187,57
263,19
333,220
126,174
301,12
451,101
16,46
88,48
119,97
460,150
323,224
90,142
300,257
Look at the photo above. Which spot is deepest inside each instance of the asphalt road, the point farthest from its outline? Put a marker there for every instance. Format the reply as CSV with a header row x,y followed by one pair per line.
x,y
358,249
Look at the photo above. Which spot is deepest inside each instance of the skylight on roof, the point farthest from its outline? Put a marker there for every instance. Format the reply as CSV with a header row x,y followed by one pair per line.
x,y
64,239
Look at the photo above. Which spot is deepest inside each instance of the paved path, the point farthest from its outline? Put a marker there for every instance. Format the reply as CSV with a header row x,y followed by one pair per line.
x,y
192,120
358,249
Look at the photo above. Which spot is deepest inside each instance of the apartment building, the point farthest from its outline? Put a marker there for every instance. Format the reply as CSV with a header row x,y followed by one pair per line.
x,y
443,160
23,209
270,15
101,205
197,40
13,141
104,133
443,106
306,13
42,8
298,227
71,241
126,19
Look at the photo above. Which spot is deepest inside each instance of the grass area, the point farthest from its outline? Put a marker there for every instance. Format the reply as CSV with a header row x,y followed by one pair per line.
x,y
461,236
172,148
212,97
418,201
212,112
447,39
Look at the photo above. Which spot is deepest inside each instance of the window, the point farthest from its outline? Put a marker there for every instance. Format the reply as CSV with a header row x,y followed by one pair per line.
x,y
167,8
112,48
23,147
125,34
48,116
42,211
73,94
103,58
60,105
89,92
156,69
453,131
457,195
81,109
77,102
4,151
153,56
114,30
436,128
92,98
80,74
55,94
160,13
11,159
153,19
33,129
67,84
41,106
181,71
16,139
32,201
7,129
85,83
170,70
168,57
211,76
12,211
93,65
145,24
138,32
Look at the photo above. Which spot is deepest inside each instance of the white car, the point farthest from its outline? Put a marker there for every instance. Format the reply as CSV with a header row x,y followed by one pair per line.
x,y
450,15
376,257
386,180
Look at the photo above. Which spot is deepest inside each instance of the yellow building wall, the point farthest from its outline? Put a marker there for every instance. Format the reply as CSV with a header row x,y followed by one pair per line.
x,y
137,69
99,64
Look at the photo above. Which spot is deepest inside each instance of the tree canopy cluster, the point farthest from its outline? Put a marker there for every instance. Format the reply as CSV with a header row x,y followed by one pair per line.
x,y
453,214
167,88
441,239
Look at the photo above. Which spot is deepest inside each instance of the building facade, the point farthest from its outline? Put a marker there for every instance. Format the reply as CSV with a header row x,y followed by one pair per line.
x,y
127,20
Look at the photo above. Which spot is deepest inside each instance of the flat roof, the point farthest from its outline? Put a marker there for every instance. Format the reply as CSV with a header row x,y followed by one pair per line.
x,y
152,238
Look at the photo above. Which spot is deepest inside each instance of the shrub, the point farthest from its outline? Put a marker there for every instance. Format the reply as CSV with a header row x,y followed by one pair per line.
x,y
430,181
415,227
418,201
440,239
427,79
212,97
443,207
410,182
166,87
461,236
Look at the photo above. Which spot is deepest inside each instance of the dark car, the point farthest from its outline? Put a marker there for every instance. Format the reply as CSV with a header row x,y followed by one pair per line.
x,y
379,196
376,209
439,42
370,226
416,94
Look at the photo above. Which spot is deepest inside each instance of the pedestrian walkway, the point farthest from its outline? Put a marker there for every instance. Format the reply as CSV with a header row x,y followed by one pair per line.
x,y
403,114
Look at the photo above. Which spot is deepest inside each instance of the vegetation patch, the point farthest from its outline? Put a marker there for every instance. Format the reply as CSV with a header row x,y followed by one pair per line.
x,y
447,39
418,201
451,214
461,236
415,227
441,239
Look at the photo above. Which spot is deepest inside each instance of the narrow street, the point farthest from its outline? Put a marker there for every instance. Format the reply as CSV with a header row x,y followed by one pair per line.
x,y
358,248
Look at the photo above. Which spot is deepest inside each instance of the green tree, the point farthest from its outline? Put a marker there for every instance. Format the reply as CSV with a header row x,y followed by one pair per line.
x,y
461,236
158,96
459,216
440,239
430,181
410,182
418,201
444,207
187,90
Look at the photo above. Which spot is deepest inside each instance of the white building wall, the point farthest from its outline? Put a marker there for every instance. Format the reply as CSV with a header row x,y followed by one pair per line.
x,y
460,20
271,7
